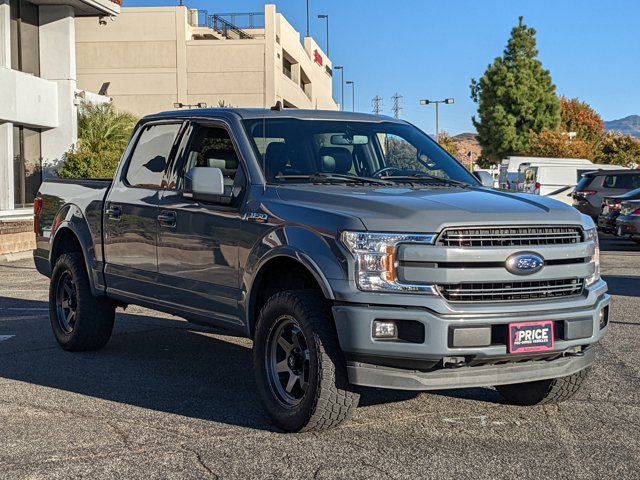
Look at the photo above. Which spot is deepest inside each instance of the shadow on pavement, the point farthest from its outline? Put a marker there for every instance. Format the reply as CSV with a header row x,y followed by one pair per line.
x,y
161,364
627,285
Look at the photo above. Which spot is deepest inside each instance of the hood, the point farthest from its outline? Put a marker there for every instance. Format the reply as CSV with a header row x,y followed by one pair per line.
x,y
390,209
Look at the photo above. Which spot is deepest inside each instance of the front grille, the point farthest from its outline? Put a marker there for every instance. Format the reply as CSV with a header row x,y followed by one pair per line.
x,y
509,236
511,291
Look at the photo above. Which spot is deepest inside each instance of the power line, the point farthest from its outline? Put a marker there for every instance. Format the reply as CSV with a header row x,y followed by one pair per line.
x,y
377,104
396,109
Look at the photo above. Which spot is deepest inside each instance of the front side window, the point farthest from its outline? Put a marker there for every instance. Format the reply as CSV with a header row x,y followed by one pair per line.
x,y
212,147
149,159
290,149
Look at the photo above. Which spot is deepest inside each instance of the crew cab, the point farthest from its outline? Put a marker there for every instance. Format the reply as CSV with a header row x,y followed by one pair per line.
x,y
351,248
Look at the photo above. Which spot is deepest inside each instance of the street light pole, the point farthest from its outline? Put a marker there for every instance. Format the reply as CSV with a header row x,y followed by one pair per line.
x,y
341,68
447,101
308,34
353,94
327,18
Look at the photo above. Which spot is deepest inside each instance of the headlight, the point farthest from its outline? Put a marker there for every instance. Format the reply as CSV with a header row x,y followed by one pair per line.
x,y
591,235
376,262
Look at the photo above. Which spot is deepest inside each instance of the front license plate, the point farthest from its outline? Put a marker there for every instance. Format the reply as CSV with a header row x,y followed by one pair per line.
x,y
531,337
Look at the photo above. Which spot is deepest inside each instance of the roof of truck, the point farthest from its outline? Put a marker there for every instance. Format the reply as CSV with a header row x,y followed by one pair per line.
x,y
252,113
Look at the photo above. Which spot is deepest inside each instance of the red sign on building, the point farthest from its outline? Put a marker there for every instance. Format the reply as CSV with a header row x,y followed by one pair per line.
x,y
317,57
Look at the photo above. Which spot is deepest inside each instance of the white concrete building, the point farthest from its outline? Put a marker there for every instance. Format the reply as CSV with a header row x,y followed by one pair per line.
x,y
150,58
38,112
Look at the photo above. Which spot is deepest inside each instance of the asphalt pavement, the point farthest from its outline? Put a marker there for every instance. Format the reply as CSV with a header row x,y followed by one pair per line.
x,y
166,399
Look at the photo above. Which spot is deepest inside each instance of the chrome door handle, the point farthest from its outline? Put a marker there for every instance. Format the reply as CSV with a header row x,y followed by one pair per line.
x,y
167,219
114,212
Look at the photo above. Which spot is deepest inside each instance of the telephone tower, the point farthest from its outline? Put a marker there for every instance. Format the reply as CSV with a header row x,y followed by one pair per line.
x,y
396,109
377,104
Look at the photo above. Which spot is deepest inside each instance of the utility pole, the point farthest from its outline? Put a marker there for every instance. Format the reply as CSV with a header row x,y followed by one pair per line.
x,y
353,94
341,68
326,17
308,19
396,109
377,104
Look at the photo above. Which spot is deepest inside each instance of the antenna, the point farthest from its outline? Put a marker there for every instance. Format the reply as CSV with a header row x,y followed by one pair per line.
x,y
377,104
396,105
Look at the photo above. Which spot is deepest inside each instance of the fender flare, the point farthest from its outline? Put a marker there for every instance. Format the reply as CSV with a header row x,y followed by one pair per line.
x,y
71,218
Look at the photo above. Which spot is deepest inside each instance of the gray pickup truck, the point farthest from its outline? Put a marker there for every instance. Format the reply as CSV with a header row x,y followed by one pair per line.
x,y
351,248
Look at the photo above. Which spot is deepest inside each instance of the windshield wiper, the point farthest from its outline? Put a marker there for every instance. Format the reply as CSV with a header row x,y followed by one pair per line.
x,y
335,177
425,176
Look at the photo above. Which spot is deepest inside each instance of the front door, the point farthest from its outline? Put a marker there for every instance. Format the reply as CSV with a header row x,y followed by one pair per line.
x,y
131,211
197,241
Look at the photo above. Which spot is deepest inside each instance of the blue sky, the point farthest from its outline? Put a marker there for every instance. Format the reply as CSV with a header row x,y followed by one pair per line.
x,y
432,48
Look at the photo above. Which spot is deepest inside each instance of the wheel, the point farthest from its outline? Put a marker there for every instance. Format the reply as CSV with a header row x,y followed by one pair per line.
x,y
300,370
79,320
555,390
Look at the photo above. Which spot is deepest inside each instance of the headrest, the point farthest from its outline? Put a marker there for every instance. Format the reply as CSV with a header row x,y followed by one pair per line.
x,y
225,160
275,157
335,160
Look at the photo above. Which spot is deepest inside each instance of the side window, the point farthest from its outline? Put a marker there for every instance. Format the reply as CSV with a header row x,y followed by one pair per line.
x,y
212,147
149,159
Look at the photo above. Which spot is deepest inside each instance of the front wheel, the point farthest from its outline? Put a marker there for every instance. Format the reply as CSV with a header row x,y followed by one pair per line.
x,y
299,367
79,320
541,392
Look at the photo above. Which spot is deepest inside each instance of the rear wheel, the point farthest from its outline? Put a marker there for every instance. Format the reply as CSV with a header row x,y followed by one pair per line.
x,y
79,320
299,367
554,390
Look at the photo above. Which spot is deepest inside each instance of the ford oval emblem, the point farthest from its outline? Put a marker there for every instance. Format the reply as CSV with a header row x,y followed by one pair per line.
x,y
526,263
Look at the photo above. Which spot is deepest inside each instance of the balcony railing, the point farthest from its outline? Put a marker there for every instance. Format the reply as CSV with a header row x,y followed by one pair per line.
x,y
232,25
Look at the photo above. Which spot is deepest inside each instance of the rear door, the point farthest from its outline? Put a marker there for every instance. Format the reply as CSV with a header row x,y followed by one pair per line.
x,y
198,241
131,211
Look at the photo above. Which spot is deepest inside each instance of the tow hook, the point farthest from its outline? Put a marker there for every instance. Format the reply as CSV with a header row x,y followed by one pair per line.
x,y
574,352
453,362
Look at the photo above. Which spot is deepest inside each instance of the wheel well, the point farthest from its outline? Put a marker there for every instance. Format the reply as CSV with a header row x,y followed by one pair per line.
x,y
66,242
277,275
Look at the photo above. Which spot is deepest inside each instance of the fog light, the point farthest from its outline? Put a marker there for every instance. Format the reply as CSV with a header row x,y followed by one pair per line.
x,y
604,317
384,329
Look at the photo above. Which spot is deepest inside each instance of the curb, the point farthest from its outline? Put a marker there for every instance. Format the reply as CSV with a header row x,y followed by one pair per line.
x,y
14,257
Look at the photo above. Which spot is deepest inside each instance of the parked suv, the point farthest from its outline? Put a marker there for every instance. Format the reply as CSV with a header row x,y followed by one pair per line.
x,y
595,186
351,248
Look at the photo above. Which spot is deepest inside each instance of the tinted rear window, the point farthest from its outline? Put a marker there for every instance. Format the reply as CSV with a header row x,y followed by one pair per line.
x,y
149,159
623,182
583,183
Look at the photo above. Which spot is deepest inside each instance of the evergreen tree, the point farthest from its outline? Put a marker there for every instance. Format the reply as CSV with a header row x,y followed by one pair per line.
x,y
514,96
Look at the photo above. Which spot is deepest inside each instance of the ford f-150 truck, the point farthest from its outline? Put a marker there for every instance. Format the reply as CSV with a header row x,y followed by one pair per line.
x,y
352,249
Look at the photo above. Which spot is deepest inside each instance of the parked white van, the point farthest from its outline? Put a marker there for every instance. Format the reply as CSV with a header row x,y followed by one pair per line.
x,y
558,180
511,173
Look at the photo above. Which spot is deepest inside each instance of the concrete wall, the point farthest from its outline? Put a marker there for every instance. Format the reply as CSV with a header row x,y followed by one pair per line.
x,y
153,57
136,53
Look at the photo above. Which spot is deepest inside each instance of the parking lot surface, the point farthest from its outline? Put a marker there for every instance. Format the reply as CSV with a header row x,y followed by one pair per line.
x,y
166,399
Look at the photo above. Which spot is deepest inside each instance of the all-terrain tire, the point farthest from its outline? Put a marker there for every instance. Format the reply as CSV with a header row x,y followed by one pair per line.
x,y
94,316
329,399
541,392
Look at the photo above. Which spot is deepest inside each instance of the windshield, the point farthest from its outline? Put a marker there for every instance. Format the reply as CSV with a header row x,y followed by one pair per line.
x,y
292,150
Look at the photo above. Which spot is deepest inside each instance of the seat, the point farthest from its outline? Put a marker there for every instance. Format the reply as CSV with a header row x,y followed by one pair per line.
x,y
335,160
227,162
276,158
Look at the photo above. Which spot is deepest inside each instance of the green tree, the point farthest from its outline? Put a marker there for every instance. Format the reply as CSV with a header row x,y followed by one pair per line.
x,y
619,149
514,96
103,134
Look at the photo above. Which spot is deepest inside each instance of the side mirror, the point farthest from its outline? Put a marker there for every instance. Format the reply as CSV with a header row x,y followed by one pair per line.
x,y
206,184
485,180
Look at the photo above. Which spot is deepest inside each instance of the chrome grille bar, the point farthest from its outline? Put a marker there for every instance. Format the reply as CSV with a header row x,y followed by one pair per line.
x,y
511,291
509,236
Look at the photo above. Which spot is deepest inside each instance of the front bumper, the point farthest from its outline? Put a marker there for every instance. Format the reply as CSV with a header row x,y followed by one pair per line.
x,y
407,365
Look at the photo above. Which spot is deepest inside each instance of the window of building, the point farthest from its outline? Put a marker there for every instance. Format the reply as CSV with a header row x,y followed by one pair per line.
x,y
286,66
149,159
27,165
24,37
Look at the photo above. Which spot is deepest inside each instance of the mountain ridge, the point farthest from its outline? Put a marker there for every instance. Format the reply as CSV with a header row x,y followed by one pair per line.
x,y
629,125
